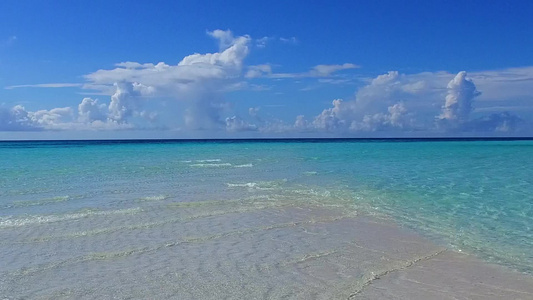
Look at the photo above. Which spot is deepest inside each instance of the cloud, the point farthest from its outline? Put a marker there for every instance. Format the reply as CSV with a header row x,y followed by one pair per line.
x,y
18,118
511,83
198,79
327,70
15,119
291,40
235,124
258,71
191,73
336,118
433,102
396,102
458,105
262,42
501,122
315,72
90,110
44,85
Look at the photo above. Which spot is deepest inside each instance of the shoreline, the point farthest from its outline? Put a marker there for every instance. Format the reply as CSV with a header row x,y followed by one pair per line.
x,y
258,250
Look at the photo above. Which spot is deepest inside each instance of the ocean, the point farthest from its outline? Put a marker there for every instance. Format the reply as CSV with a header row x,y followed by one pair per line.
x,y
252,218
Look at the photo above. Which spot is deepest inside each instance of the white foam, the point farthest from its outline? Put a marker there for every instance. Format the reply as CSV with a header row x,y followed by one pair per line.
x,y
249,184
155,198
9,222
208,160
211,165
262,185
244,166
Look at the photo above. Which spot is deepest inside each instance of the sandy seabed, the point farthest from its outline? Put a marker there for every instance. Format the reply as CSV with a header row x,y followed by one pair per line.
x,y
244,250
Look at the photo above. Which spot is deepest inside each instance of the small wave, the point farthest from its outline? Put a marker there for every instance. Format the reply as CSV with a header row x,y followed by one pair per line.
x,y
208,160
155,198
211,165
262,185
10,222
249,184
243,166
38,202
310,173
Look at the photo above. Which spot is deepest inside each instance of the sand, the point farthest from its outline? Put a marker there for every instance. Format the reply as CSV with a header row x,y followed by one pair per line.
x,y
256,250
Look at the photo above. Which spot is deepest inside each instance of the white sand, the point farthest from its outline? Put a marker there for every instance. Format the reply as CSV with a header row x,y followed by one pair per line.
x,y
248,250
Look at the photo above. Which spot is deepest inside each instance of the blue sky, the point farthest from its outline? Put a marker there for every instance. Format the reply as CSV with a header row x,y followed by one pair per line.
x,y
169,69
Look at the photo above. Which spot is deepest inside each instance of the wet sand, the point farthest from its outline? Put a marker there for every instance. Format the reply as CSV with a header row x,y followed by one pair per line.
x,y
245,250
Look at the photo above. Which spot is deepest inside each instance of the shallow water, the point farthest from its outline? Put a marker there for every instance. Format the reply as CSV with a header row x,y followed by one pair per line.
x,y
263,219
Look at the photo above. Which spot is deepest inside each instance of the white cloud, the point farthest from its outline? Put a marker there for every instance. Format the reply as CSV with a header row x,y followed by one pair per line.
x,y
90,110
15,119
44,85
458,105
318,71
258,71
262,42
291,40
336,118
193,72
198,79
327,70
51,119
235,123
388,102
394,101
503,84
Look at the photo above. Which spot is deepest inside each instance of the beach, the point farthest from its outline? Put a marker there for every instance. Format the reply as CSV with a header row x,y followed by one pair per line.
x,y
219,223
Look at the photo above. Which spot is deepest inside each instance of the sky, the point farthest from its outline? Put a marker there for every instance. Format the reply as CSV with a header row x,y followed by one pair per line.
x,y
246,69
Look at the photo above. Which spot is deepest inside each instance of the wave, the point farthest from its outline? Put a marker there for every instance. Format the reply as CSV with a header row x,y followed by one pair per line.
x,y
155,198
243,166
45,201
9,222
211,165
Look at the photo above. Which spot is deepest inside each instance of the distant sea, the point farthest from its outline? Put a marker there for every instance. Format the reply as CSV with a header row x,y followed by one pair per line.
x,y
64,203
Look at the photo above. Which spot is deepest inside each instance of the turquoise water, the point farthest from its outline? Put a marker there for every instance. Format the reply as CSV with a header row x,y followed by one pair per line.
x,y
470,196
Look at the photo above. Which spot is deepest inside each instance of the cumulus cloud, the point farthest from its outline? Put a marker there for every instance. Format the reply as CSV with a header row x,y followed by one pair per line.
x,y
459,99
198,79
235,123
90,110
336,118
15,119
18,118
429,101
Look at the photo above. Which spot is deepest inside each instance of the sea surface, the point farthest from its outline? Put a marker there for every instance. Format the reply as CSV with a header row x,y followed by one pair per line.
x,y
82,219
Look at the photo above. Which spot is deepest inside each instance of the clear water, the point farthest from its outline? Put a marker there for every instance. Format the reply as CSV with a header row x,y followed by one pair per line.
x,y
471,196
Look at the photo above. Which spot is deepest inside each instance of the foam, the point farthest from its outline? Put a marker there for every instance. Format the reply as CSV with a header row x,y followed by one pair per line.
x,y
208,160
45,201
155,198
211,165
8,222
244,166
